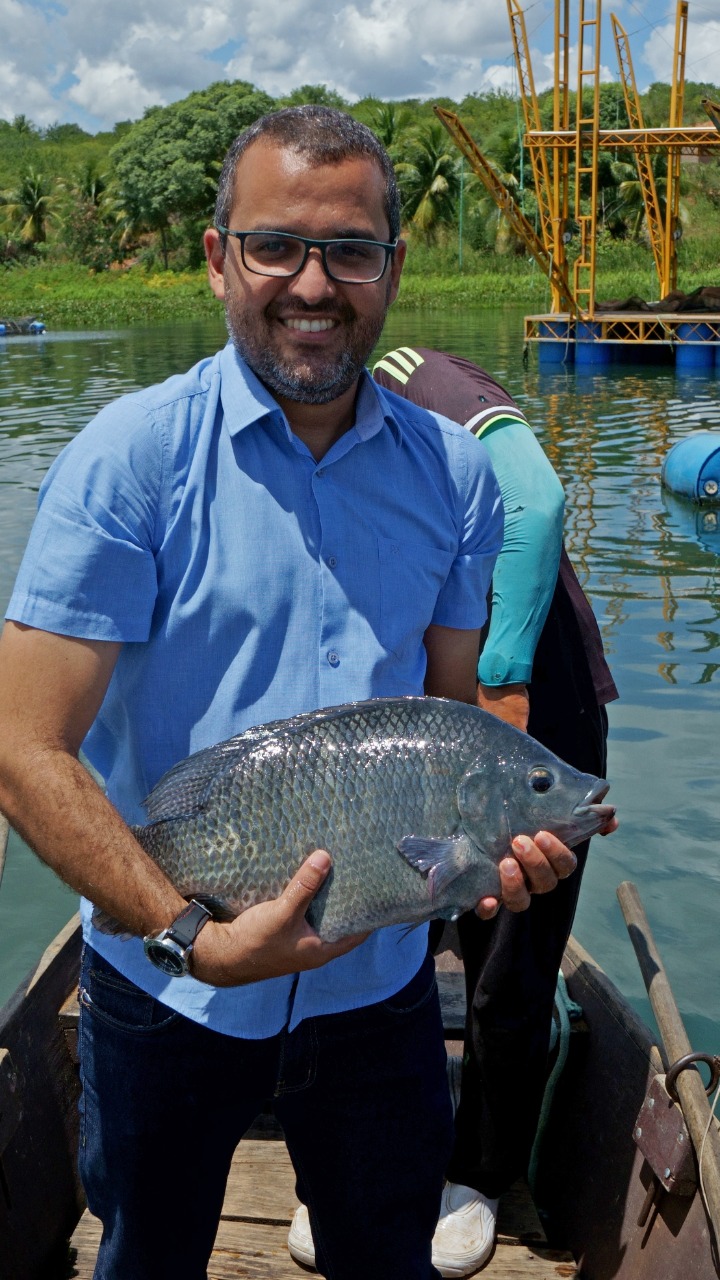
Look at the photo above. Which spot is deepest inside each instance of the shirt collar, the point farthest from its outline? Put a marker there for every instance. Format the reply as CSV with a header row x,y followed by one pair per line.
x,y
246,400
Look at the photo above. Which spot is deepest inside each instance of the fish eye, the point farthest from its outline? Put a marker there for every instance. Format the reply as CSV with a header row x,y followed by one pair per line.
x,y
541,780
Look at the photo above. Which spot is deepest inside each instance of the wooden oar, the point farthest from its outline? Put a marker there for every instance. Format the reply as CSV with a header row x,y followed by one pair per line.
x,y
4,833
690,1088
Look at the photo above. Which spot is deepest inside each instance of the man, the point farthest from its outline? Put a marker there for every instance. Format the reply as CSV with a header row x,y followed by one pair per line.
x,y
216,552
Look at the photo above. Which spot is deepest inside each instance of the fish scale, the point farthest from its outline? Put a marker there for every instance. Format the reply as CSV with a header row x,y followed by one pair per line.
x,y
416,800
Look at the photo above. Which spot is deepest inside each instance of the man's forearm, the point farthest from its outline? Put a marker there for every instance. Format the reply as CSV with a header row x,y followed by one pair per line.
x,y
58,809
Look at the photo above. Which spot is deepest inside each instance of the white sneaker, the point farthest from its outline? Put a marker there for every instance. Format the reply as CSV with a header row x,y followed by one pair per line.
x,y
465,1235
300,1241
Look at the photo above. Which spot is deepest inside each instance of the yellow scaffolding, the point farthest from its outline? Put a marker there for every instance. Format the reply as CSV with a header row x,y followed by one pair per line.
x,y
482,168
586,156
673,229
642,150
553,150
531,113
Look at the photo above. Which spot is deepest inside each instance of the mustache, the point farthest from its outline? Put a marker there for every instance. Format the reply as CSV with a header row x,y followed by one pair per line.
x,y
297,308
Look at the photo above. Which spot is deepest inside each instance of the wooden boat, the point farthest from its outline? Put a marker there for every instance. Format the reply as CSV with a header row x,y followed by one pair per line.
x,y
592,1182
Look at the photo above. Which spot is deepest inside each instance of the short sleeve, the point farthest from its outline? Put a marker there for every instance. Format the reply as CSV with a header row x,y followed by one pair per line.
x,y
89,566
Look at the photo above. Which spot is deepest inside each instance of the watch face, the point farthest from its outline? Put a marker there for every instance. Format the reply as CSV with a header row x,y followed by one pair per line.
x,y
166,958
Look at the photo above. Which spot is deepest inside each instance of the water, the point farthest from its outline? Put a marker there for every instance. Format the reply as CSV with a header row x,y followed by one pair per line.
x,y
648,563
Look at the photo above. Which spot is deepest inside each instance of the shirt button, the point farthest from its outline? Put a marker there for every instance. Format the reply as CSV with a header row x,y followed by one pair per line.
x,y
320,471
333,658
332,561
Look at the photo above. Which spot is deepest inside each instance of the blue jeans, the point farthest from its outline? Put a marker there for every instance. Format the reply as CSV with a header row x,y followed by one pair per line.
x,y
362,1097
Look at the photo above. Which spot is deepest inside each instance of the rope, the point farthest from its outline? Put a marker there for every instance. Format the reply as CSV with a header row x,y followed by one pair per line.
x,y
566,1010
4,832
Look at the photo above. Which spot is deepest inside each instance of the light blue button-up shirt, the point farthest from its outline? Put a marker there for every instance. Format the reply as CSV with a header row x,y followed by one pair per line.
x,y
249,582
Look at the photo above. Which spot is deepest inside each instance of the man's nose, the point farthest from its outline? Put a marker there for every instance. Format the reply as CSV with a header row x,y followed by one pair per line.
x,y
312,283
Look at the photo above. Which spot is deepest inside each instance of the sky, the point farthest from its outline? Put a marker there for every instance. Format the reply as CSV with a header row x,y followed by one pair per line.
x,y
96,62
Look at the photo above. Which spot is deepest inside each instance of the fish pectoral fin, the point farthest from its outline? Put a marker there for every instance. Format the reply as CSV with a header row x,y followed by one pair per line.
x,y
441,859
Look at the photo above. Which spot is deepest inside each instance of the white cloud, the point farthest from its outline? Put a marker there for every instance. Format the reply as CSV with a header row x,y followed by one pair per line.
x,y
97,61
702,56
25,95
410,48
110,90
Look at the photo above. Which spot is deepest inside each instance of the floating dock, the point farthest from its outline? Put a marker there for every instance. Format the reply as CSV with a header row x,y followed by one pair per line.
x,y
690,342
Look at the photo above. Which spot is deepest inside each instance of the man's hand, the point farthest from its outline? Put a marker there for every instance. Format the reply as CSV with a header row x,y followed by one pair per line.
x,y
510,702
271,939
536,867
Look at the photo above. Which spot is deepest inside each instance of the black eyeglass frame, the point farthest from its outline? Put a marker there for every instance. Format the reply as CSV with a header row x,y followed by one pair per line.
x,y
307,244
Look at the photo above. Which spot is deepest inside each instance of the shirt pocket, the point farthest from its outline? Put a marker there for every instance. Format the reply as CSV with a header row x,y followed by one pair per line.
x,y
411,579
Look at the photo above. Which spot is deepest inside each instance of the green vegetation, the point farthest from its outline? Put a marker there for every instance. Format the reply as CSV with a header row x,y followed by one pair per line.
x,y
107,229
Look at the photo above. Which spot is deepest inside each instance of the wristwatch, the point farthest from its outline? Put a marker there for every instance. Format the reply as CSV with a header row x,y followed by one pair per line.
x,y
170,949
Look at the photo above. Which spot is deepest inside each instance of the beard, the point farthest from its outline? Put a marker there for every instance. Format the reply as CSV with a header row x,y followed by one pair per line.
x,y
314,377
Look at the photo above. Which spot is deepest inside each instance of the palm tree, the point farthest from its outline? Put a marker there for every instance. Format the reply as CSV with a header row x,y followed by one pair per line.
x,y
630,205
429,180
389,122
31,207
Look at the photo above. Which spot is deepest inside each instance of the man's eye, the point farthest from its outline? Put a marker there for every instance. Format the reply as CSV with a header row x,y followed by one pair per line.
x,y
275,247
353,250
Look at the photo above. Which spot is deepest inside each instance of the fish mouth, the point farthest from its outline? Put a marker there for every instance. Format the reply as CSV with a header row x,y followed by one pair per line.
x,y
592,807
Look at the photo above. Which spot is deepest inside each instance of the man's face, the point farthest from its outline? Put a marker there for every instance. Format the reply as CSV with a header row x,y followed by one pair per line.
x,y
306,337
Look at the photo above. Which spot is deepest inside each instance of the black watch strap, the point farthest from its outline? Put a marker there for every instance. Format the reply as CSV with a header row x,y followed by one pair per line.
x,y
186,927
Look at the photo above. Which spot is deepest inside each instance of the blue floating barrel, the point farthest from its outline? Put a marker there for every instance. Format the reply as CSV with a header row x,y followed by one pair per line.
x,y
556,345
695,347
588,347
692,467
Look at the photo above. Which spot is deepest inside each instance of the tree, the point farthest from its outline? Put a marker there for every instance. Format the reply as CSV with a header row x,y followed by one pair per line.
x,y
429,180
315,95
21,124
87,217
165,168
389,122
630,205
31,207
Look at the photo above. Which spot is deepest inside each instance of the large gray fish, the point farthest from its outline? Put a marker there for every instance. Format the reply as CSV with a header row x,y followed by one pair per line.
x,y
416,799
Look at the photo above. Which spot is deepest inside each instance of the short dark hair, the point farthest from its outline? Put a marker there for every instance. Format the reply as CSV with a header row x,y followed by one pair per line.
x,y
324,135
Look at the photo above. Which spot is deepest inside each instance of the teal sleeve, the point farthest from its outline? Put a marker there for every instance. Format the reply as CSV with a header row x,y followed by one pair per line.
x,y
527,567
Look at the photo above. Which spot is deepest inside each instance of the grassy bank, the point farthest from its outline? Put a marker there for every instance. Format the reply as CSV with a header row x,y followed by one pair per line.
x,y
71,297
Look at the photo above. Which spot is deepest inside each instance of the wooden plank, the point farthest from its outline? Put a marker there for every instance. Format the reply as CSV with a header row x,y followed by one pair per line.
x,y
258,1251
262,1183
260,1202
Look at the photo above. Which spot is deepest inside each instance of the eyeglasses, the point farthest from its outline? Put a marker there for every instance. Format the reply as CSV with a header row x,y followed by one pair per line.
x,y
272,253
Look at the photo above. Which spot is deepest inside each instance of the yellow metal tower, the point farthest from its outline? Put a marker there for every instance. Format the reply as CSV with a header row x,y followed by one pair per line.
x,y
643,157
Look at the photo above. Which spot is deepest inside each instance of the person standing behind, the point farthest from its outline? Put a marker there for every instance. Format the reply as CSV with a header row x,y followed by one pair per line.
x,y
541,668
210,554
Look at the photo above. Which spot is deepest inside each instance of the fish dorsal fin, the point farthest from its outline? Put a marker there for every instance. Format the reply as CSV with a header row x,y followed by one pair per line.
x,y
182,791
442,860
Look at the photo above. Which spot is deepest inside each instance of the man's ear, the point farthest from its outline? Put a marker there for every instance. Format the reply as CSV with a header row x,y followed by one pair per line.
x,y
396,270
215,262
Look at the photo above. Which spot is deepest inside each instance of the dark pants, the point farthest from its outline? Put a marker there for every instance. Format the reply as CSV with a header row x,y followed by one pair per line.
x,y
511,968
362,1098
